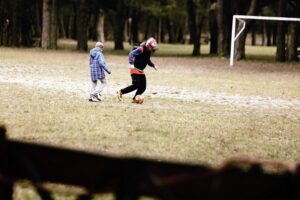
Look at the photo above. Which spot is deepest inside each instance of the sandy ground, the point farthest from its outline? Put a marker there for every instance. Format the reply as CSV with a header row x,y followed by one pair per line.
x,y
81,89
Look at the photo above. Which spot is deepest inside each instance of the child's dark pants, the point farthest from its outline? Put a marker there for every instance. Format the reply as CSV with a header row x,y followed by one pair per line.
x,y
138,82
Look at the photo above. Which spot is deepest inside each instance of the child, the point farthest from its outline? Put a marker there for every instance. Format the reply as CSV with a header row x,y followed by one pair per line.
x,y
139,58
97,68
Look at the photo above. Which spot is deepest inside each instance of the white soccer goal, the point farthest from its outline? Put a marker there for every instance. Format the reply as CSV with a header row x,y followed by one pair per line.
x,y
241,19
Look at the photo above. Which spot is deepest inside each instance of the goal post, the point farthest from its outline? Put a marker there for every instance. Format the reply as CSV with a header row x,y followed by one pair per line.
x,y
242,18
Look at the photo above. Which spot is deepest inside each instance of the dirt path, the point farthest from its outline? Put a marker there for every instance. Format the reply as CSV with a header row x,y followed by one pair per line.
x,y
77,87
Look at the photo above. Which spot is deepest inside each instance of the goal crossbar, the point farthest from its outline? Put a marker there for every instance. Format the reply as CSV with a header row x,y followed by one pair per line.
x,y
241,18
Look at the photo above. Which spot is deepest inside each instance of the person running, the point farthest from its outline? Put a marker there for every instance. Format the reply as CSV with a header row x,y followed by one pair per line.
x,y
97,71
139,58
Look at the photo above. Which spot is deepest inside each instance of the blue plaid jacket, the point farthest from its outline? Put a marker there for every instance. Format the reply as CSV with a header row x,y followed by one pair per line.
x,y
97,64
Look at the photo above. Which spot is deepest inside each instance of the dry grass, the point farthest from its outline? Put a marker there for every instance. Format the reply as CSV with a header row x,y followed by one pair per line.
x,y
176,130
194,131
182,130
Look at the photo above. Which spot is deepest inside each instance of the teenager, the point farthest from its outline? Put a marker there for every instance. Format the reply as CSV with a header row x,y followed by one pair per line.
x,y
139,58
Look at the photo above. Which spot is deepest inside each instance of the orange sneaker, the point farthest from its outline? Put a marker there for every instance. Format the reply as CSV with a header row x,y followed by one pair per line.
x,y
138,99
135,101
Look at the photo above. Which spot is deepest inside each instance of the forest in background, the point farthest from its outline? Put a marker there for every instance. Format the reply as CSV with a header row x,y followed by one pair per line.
x,y
40,23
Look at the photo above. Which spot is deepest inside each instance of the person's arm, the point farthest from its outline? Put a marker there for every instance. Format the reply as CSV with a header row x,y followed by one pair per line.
x,y
151,64
103,64
132,54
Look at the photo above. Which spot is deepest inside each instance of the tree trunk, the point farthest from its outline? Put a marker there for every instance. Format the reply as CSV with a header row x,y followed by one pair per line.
x,y
82,21
6,22
38,29
92,23
118,24
146,33
274,33
263,33
197,45
269,34
159,27
193,27
1,21
46,24
213,27
191,20
15,24
162,31
292,43
135,19
280,52
53,25
126,31
26,23
170,27
240,44
224,19
241,41
62,30
72,28
100,28
179,36
253,37
221,27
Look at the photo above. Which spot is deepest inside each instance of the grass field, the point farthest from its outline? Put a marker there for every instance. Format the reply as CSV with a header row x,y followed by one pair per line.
x,y
196,110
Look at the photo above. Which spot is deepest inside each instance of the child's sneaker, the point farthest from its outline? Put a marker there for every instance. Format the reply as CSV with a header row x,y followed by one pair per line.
x,y
99,97
94,98
138,99
135,101
119,95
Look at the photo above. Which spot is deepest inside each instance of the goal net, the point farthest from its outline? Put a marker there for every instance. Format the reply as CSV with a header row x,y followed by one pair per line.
x,y
241,18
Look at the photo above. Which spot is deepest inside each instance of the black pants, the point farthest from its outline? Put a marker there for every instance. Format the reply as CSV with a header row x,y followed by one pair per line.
x,y
138,82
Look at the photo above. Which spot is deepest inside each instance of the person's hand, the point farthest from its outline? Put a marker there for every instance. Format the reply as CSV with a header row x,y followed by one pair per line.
x,y
131,66
155,67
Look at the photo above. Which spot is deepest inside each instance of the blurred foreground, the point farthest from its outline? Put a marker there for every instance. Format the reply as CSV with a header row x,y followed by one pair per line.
x,y
130,178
